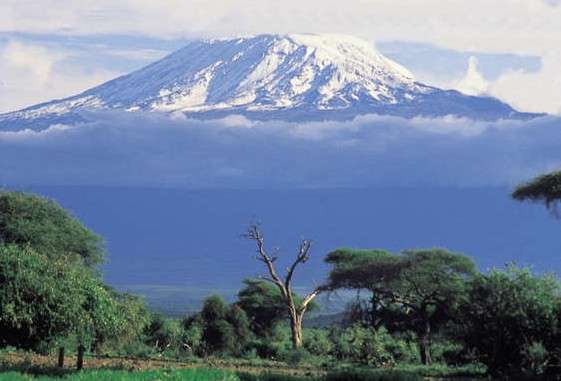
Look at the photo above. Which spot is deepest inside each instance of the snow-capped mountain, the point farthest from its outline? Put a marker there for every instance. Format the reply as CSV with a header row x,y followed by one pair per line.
x,y
266,77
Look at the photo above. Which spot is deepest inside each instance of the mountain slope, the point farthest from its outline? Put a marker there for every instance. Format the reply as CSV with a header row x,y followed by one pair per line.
x,y
290,77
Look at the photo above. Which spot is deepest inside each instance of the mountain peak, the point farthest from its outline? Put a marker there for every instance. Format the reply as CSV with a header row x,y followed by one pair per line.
x,y
272,72
291,76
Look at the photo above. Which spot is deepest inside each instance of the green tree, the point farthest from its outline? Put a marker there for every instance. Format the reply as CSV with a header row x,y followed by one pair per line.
x,y
239,321
163,333
45,301
223,328
545,188
428,288
27,219
363,270
511,319
420,287
134,318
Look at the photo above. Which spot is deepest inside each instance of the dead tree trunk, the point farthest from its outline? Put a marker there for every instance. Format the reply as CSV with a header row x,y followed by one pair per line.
x,y
295,310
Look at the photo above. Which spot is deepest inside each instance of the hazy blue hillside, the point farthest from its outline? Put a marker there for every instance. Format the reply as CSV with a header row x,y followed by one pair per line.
x,y
179,244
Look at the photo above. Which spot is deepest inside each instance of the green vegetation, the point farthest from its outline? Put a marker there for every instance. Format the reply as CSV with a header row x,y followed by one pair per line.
x,y
512,319
29,220
416,290
122,375
51,294
418,313
545,188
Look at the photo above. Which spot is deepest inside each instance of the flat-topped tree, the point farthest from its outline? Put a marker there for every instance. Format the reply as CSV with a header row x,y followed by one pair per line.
x,y
295,308
545,188
417,287
363,270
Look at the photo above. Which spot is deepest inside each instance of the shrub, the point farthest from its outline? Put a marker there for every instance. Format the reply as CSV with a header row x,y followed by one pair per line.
x,y
361,345
316,341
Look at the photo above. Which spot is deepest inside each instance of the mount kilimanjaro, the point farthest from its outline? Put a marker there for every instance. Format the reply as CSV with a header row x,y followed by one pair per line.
x,y
287,77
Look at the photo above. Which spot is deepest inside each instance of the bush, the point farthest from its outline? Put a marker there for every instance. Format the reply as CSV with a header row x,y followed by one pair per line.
x,y
295,356
361,345
505,311
164,334
401,348
316,341
536,358
219,329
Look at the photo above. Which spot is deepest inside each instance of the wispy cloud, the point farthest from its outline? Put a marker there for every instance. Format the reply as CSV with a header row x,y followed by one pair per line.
x,y
156,150
32,73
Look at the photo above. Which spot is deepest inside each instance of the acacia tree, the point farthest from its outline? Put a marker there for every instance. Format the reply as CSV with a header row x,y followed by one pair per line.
x,y
295,309
363,270
418,287
428,288
545,188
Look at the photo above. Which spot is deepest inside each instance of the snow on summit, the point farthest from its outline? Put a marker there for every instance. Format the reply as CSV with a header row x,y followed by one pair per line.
x,y
261,73
270,76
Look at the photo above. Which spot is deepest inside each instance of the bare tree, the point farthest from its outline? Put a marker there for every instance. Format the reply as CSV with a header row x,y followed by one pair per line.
x,y
295,310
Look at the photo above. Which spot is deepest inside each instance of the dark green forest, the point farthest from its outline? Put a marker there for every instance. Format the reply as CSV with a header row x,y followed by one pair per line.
x,y
423,311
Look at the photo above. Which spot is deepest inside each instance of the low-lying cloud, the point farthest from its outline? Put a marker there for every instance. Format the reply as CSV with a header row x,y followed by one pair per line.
x,y
130,149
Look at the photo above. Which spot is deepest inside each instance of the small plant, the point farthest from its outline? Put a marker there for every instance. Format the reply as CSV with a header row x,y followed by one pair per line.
x,y
537,358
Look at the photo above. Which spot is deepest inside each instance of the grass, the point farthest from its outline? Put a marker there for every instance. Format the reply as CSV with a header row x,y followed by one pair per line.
x,y
206,374
121,375
209,375
24,366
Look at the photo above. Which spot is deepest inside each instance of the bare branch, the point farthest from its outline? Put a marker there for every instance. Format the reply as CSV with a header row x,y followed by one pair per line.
x,y
308,298
253,233
302,257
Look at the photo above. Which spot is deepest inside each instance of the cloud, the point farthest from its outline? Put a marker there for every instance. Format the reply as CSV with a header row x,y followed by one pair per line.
x,y
534,92
512,27
473,83
132,149
32,73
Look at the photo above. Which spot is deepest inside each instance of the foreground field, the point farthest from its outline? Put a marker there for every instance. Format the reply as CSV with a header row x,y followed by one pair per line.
x,y
22,366
114,375
209,375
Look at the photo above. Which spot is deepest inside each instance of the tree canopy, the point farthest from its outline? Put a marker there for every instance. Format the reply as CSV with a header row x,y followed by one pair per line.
x,y
27,219
224,328
507,314
417,285
44,300
545,188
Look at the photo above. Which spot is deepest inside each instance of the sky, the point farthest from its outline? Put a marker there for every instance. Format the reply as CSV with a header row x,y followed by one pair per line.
x,y
507,48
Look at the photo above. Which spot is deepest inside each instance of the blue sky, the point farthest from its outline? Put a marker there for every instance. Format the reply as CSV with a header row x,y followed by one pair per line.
x,y
507,48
